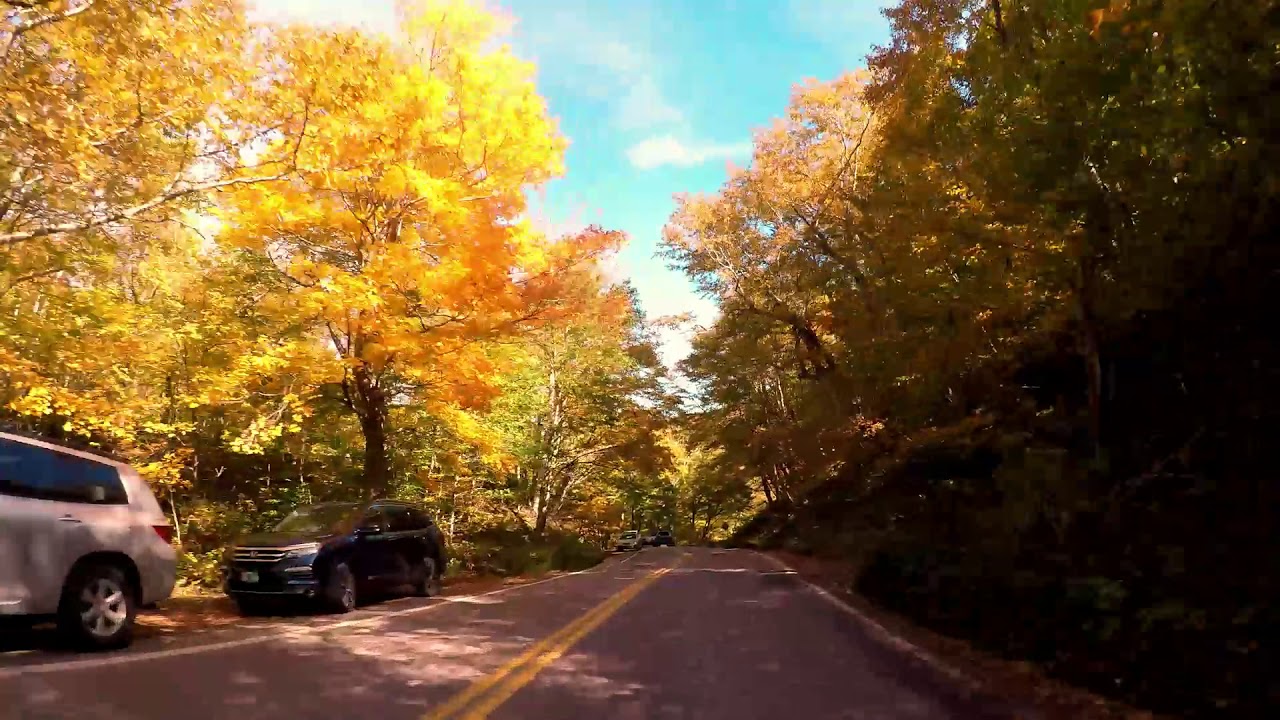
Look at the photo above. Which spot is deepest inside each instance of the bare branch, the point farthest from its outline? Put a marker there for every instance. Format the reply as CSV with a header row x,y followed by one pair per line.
x,y
14,238
19,30
29,277
999,13
169,194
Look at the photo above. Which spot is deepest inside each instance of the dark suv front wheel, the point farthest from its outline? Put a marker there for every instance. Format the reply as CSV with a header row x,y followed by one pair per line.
x,y
427,581
340,589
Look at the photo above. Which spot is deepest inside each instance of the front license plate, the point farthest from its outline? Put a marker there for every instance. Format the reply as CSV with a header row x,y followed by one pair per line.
x,y
248,576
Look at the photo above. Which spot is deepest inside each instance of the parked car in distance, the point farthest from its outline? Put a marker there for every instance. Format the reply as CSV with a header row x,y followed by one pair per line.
x,y
336,552
628,540
82,539
663,537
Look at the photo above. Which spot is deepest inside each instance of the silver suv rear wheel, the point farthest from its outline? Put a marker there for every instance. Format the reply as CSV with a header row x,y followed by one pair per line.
x,y
98,607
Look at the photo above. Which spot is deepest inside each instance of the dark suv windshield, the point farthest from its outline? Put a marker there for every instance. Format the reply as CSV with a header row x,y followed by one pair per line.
x,y
330,517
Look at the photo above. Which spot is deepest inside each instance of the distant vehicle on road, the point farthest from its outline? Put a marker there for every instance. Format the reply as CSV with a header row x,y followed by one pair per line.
x,y
334,553
628,540
82,539
660,537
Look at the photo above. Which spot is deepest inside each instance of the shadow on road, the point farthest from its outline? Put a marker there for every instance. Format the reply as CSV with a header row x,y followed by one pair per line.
x,y
182,618
192,619
21,637
387,665
716,640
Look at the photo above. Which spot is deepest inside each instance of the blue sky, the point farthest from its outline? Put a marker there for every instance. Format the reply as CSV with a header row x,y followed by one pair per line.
x,y
656,97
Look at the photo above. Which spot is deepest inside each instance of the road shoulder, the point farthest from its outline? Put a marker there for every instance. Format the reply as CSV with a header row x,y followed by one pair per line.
x,y
1019,683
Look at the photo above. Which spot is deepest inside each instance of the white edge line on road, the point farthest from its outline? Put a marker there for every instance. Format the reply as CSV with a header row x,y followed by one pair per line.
x,y
126,657
878,631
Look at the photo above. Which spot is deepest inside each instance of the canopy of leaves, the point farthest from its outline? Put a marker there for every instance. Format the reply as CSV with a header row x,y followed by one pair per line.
x,y
1030,229
272,265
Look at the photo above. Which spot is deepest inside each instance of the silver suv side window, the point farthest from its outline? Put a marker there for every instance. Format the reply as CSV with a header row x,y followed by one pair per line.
x,y
35,472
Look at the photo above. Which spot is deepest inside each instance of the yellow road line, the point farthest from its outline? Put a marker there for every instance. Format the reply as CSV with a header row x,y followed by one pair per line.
x,y
517,673
525,674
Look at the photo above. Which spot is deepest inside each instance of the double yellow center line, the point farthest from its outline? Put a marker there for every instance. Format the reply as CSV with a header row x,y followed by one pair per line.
x,y
488,693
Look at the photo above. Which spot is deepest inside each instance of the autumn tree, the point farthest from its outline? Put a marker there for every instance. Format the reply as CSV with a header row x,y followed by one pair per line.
x,y
1084,147
705,491
115,110
1047,253
119,119
240,256
582,412
400,236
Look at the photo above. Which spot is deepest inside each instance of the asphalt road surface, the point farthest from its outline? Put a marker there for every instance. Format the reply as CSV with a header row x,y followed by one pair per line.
x,y
664,633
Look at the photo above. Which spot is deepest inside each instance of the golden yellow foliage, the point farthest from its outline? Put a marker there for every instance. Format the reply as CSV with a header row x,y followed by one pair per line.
x,y
400,236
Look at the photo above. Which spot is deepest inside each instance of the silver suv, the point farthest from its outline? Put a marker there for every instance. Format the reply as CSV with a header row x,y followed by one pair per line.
x,y
81,538
628,540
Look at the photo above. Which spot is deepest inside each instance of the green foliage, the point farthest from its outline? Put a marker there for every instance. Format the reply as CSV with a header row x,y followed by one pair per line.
x,y
200,569
991,328
509,553
208,270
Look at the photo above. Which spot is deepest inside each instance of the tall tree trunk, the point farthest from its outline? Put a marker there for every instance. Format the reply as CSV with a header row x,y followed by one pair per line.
x,y
550,437
788,412
177,521
1091,348
536,498
706,524
376,467
540,482
369,402
780,473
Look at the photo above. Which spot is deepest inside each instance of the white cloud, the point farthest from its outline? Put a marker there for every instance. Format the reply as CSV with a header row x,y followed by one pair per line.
x,y
847,27
643,106
594,59
597,60
668,150
374,15
613,53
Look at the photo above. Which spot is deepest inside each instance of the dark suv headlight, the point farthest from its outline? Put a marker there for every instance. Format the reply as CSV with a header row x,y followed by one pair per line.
x,y
303,550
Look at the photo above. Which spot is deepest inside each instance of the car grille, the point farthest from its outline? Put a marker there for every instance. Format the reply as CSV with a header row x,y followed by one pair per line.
x,y
258,555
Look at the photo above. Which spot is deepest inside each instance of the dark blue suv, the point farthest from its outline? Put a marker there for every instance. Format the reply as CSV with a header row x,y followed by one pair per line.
x,y
334,552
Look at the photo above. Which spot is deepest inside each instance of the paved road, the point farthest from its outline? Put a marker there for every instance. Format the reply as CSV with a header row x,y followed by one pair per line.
x,y
665,633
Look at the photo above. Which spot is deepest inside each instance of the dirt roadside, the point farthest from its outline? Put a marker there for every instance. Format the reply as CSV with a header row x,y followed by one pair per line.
x,y
196,610
1020,682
